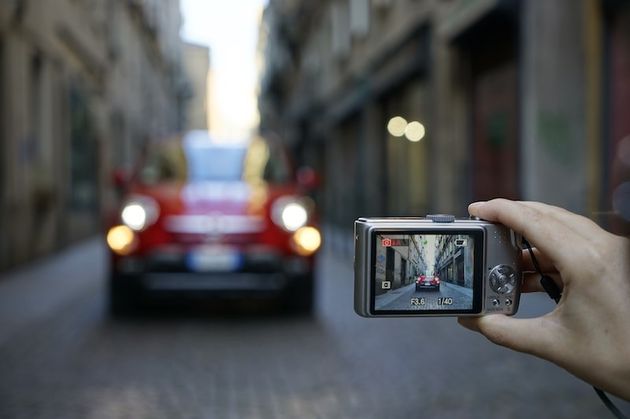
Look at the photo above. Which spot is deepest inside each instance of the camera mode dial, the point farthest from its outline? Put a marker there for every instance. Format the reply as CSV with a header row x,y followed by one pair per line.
x,y
502,279
441,218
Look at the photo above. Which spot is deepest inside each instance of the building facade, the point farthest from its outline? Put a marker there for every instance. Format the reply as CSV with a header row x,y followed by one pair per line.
x,y
84,83
454,262
518,99
196,60
400,262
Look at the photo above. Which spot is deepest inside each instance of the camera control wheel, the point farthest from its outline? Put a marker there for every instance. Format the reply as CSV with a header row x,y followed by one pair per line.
x,y
502,279
441,218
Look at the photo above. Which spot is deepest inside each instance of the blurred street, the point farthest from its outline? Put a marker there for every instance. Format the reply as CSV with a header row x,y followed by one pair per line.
x,y
62,356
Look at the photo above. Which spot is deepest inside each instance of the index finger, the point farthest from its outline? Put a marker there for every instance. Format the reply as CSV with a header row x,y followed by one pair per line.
x,y
548,234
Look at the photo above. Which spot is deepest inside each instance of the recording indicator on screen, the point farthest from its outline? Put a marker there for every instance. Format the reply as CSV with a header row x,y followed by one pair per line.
x,y
390,242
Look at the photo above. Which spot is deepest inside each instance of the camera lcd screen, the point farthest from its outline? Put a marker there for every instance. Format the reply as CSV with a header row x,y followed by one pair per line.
x,y
427,272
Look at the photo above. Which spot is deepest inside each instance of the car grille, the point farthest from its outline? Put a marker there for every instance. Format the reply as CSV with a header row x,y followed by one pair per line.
x,y
214,224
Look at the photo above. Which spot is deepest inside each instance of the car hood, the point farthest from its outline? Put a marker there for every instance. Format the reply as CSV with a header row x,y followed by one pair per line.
x,y
226,197
204,197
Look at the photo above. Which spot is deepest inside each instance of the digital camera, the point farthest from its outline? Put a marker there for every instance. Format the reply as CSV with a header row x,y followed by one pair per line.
x,y
435,266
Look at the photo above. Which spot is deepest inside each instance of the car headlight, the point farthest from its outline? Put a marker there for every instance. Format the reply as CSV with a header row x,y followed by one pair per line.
x,y
140,212
122,240
307,240
290,213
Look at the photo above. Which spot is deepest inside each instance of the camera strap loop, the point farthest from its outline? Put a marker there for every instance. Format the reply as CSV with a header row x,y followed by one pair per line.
x,y
548,284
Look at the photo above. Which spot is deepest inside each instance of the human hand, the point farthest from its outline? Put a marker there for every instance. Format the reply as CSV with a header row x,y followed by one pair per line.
x,y
588,333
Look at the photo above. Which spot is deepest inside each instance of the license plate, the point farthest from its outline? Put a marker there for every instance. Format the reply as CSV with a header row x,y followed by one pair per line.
x,y
214,259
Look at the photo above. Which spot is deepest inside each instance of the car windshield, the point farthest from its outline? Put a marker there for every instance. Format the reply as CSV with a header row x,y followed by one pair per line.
x,y
213,163
198,159
193,161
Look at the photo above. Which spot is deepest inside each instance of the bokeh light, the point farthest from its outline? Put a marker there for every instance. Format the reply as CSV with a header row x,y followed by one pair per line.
x,y
415,131
396,126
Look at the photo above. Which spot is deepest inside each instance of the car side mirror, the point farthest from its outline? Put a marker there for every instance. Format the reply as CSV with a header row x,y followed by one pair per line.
x,y
120,178
308,178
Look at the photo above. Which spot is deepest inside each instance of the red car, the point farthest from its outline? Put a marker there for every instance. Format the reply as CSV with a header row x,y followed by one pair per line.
x,y
431,282
201,216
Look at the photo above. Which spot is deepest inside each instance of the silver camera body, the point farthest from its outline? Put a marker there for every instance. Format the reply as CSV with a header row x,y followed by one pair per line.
x,y
435,266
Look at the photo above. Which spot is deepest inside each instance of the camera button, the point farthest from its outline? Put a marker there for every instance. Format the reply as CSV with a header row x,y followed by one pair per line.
x,y
496,302
502,279
441,218
508,302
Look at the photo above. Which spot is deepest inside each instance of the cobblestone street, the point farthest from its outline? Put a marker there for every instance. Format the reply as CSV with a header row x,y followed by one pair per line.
x,y
61,356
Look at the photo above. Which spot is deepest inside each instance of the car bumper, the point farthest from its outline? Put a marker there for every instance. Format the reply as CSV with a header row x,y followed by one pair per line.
x,y
212,282
427,287
256,272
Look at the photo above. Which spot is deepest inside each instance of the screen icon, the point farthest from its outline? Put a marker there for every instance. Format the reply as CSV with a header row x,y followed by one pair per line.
x,y
389,242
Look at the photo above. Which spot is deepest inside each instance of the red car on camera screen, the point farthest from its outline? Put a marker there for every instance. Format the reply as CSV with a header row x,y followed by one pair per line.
x,y
204,217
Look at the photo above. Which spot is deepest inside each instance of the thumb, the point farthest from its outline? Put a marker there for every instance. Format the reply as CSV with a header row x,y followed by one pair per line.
x,y
524,335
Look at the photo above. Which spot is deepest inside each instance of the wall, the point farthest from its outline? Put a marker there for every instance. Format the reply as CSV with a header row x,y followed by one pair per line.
x,y
197,64
83,83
